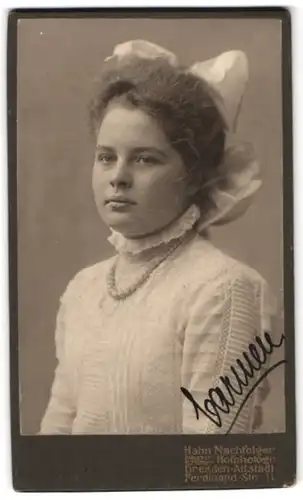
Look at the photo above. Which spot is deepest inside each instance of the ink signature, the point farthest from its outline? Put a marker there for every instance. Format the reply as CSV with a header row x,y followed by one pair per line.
x,y
255,359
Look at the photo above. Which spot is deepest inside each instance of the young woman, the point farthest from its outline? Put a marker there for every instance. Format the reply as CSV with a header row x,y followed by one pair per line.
x,y
145,339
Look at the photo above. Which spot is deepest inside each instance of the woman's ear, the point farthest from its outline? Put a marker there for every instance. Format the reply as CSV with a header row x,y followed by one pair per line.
x,y
192,189
194,184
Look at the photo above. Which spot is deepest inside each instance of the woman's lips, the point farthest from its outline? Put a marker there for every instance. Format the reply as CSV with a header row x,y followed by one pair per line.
x,y
119,204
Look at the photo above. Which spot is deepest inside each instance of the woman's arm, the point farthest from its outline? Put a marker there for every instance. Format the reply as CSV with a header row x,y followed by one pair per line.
x,y
60,412
221,327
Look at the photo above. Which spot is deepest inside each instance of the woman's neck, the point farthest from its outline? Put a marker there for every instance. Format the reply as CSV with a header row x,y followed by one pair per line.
x,y
150,245
136,257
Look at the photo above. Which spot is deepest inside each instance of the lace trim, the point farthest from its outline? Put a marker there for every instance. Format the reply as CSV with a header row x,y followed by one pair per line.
x,y
238,325
176,230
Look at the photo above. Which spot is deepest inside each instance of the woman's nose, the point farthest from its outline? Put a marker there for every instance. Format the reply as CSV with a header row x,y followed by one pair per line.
x,y
121,175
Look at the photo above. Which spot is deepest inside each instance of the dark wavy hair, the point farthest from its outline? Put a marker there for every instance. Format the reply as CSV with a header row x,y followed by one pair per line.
x,y
181,103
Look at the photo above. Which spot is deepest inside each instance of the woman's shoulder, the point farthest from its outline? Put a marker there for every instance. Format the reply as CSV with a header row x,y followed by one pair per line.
x,y
217,276
217,267
85,279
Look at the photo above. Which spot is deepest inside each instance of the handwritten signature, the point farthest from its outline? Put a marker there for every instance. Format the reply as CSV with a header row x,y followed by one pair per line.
x,y
242,374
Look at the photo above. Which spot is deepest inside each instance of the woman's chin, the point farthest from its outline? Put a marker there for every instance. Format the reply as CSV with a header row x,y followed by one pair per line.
x,y
131,228
122,225
127,228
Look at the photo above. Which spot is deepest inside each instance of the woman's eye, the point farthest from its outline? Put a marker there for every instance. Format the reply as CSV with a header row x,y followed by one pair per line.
x,y
105,158
147,160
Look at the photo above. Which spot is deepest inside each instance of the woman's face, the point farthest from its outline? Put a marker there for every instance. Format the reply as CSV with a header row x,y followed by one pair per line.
x,y
139,180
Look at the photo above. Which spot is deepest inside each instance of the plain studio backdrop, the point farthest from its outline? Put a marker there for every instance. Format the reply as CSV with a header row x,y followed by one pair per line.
x,y
59,231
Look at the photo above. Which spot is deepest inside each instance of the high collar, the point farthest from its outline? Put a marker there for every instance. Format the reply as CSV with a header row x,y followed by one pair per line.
x,y
175,230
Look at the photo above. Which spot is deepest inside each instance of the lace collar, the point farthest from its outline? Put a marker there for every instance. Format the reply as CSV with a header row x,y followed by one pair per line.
x,y
175,230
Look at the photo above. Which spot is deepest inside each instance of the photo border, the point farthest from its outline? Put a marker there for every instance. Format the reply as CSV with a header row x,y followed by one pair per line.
x,y
143,462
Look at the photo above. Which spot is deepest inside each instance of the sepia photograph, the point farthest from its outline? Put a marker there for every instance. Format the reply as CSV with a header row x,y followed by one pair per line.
x,y
150,226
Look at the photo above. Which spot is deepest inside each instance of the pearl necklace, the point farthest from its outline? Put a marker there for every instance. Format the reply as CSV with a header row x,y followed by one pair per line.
x,y
123,294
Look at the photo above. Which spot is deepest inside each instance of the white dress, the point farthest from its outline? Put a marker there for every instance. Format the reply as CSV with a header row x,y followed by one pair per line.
x,y
121,364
